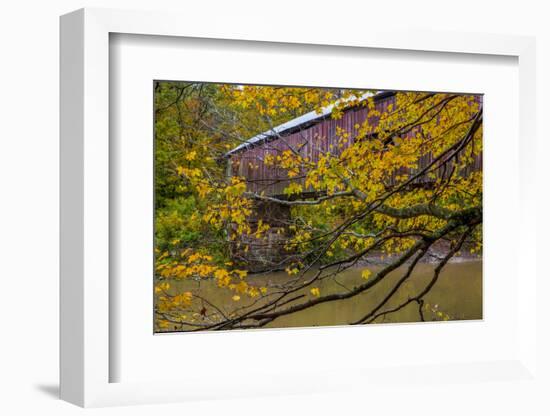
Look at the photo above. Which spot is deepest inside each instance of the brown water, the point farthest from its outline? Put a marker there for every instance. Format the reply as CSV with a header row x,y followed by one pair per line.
x,y
457,295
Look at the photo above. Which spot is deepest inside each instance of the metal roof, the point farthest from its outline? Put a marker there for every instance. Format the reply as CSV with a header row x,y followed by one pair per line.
x,y
307,118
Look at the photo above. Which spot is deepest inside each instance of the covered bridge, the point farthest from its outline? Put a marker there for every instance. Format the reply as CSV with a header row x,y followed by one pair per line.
x,y
310,135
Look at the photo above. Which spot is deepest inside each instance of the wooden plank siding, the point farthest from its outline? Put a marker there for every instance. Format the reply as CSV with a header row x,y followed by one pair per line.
x,y
312,140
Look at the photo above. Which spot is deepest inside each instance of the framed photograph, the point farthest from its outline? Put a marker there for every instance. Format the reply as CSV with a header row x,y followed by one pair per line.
x,y
294,208
349,207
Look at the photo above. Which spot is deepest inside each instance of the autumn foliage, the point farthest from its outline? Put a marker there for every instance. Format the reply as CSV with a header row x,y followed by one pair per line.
x,y
396,186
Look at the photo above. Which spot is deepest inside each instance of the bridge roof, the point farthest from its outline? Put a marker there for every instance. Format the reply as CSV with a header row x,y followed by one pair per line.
x,y
309,118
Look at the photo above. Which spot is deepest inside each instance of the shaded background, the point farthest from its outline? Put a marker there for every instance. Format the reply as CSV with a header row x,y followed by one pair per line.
x,y
29,184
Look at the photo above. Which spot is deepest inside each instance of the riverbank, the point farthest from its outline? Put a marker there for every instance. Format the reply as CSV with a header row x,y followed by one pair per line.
x,y
435,254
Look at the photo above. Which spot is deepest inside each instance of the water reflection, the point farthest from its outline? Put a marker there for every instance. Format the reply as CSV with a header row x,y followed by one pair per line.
x,y
456,296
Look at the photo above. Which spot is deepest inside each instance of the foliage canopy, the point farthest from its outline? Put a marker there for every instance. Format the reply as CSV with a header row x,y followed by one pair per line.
x,y
395,185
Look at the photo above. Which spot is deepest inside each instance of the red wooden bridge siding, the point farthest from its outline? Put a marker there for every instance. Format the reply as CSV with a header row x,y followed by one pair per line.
x,y
311,141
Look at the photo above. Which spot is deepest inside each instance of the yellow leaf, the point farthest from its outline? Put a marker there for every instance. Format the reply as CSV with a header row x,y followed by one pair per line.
x,y
241,273
191,155
365,274
163,324
236,298
315,291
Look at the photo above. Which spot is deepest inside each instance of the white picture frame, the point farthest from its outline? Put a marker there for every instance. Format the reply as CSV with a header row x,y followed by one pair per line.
x,y
85,213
